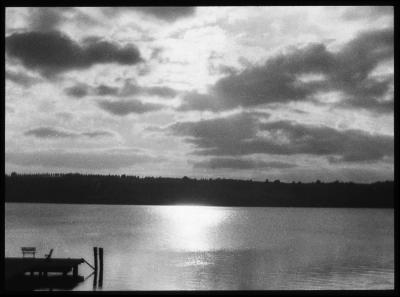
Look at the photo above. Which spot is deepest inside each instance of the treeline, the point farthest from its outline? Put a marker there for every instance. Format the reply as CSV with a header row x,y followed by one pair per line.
x,y
122,189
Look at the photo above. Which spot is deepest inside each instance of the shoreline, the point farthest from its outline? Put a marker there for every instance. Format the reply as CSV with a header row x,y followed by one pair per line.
x,y
131,190
194,205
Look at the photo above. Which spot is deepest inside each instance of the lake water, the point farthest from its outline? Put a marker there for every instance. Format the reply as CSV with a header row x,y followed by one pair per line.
x,y
213,248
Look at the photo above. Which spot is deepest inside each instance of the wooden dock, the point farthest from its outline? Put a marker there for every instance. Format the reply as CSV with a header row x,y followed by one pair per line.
x,y
41,271
48,273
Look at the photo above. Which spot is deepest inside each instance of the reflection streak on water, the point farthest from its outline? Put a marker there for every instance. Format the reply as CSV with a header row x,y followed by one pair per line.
x,y
191,227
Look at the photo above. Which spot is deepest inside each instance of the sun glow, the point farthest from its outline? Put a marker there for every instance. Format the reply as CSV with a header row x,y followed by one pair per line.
x,y
192,227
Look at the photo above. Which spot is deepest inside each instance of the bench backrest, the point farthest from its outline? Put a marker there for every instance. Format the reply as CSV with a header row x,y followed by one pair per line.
x,y
48,256
28,250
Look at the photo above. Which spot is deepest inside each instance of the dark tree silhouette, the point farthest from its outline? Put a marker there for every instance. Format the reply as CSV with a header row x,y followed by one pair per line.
x,y
124,189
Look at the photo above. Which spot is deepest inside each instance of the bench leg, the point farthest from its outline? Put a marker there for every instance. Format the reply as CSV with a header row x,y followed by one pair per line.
x,y
75,272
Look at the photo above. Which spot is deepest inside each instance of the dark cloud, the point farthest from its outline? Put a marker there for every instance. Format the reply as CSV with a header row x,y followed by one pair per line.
x,y
226,69
235,163
21,78
104,90
218,134
77,91
166,92
201,102
78,160
96,134
125,107
54,52
349,145
276,81
166,13
47,132
279,80
170,13
357,61
128,89
244,134
131,88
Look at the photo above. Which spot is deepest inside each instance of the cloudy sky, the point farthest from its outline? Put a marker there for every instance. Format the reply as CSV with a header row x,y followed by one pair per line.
x,y
295,93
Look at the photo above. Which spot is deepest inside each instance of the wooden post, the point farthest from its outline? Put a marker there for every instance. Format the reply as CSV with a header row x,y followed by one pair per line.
x,y
95,259
101,267
95,268
94,280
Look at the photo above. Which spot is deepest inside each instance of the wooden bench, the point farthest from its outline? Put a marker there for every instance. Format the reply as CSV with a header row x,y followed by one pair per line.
x,y
28,250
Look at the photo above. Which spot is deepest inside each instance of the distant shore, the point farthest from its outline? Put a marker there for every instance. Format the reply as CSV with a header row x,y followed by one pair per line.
x,y
132,190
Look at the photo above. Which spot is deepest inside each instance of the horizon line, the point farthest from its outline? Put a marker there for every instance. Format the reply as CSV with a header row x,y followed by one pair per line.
x,y
123,175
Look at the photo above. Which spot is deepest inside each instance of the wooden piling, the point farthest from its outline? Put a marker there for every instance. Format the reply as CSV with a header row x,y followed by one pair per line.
x,y
94,280
101,267
95,259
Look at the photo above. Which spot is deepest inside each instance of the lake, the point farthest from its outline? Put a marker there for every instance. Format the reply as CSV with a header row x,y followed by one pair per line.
x,y
213,248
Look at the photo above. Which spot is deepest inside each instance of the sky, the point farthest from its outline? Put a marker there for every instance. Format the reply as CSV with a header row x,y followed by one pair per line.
x,y
289,93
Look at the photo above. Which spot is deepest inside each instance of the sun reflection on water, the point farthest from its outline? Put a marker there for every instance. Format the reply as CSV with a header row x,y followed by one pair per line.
x,y
192,227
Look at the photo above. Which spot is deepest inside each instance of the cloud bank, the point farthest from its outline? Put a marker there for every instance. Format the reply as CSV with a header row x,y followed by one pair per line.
x,y
281,79
54,52
48,132
244,134
125,107
128,89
